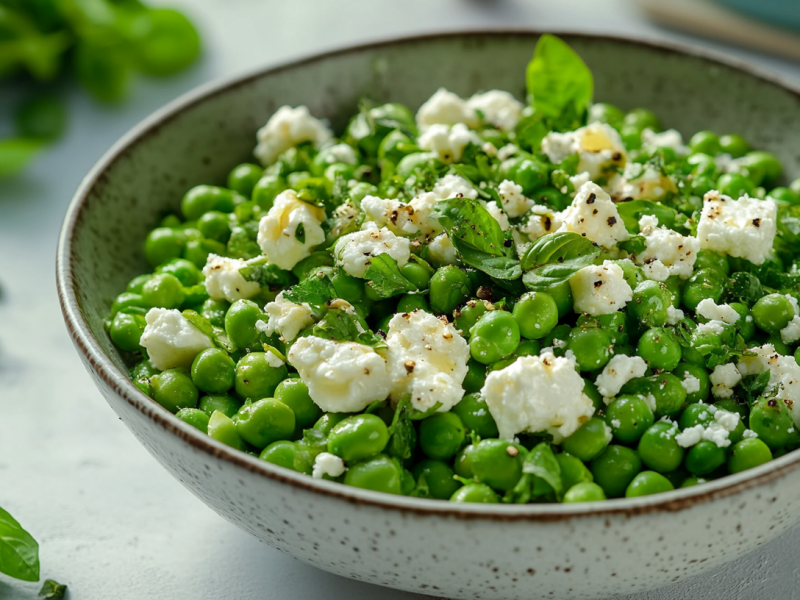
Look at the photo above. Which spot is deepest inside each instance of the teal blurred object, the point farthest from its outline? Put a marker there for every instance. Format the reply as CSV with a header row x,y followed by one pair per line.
x,y
785,13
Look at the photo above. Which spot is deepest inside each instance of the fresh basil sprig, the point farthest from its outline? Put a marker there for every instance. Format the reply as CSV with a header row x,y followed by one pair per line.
x,y
555,257
19,552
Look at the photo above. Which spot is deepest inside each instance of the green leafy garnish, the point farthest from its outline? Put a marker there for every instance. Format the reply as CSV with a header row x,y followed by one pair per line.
x,y
541,462
633,210
635,245
385,278
52,589
268,276
344,325
300,233
555,257
743,287
315,290
215,334
19,552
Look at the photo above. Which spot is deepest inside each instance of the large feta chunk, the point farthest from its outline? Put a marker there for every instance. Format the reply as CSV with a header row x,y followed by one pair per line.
x,y
599,146
289,231
223,280
341,376
723,379
354,250
441,251
537,394
446,142
744,228
600,289
541,221
445,108
593,214
619,371
499,108
709,309
413,218
676,252
287,128
286,318
427,358
514,202
171,340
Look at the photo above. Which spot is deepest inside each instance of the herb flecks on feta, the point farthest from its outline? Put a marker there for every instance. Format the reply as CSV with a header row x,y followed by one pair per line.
x,y
354,251
224,282
594,215
290,230
600,289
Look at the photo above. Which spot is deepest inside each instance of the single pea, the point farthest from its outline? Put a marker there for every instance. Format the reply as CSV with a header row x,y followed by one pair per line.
x,y
396,146
264,422
780,347
163,244
631,137
695,414
203,198
647,483
174,390
475,493
494,336
702,184
213,371
615,325
240,323
705,283
289,455
573,471
256,378
144,368
244,178
733,144
614,469
194,417
498,463
328,421
694,379
126,331
762,167
417,274
773,312
348,287
642,119
667,390
214,311
215,226
266,190
186,271
659,347
294,394
584,492
412,302
590,389
438,476
475,378
748,453
380,474
358,437
658,449
562,295
222,429
531,174
441,435
227,405
702,164
462,464
629,417
772,421
415,161
704,457
536,314
466,316
591,347
706,142
475,415
601,112
784,195
163,291
449,288
649,303
735,185
708,259
136,284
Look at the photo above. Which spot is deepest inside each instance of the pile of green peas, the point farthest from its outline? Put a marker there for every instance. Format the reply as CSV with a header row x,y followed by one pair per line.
x,y
235,394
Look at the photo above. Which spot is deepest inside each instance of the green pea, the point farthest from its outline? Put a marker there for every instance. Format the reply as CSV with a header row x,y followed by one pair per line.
x,y
704,457
531,174
658,449
194,417
415,161
573,471
240,323
227,405
126,331
733,144
213,371
660,348
244,177
441,435
773,312
562,295
449,288
498,463
629,417
614,469
328,421
186,271
358,437
255,378
615,325
747,454
348,287
762,167
222,429
591,347
702,164
536,314
214,311
772,421
686,370
584,492
438,477
417,274
795,186
647,483
735,185
784,195
475,415
649,303
163,244
468,315
264,422
705,283
289,455
475,493
631,137
215,226
294,394
642,119
667,390
203,198
601,112
266,189
494,336
590,389
380,474
163,290
396,146
476,376
706,142
708,259
174,390
412,302
136,284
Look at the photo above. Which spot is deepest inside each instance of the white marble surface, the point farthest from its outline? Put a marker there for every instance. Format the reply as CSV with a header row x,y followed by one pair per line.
x,y
111,522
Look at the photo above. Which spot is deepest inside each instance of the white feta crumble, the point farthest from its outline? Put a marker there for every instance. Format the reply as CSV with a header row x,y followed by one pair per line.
x,y
656,270
744,228
445,108
674,315
354,250
678,253
600,290
784,377
171,340
454,186
641,182
341,153
447,142
341,376
427,358
441,251
287,128
498,215
499,108
718,431
714,327
514,202
791,333
723,379
619,371
224,282
413,218
327,464
599,146
616,423
717,312
537,394
793,301
273,360
593,214
671,138
507,152
749,433
650,400
290,230
542,220
286,318
690,383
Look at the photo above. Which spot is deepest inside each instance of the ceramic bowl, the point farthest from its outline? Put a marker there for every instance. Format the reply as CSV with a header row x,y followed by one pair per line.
x,y
785,13
589,550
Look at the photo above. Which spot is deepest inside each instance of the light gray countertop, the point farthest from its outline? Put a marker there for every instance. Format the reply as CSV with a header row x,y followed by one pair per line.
x,y
111,522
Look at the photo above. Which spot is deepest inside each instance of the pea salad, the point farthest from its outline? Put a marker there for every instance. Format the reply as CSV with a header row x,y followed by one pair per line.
x,y
487,301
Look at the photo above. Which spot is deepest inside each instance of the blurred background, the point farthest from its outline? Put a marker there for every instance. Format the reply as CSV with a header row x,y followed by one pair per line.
x,y
111,523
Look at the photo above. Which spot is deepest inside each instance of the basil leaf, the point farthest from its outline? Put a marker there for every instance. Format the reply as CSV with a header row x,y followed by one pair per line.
x,y
385,278
635,245
17,153
555,257
633,210
266,275
542,463
216,334
344,325
530,131
559,82
52,589
315,290
743,287
300,233
19,552
752,386
477,237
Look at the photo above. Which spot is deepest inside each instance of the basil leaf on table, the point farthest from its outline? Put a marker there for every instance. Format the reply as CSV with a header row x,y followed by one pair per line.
x,y
19,552
384,277
555,257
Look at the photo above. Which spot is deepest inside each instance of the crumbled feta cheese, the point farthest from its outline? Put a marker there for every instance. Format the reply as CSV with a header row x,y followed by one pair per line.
x,y
327,464
441,251
671,138
718,312
286,318
224,282
749,433
171,340
711,328
537,394
581,178
273,360
690,383
717,431
498,215
289,231
690,436
598,144
791,333
341,376
454,186
445,108
447,143
656,270
600,290
645,183
514,202
499,108
619,371
650,400
507,152
413,218
616,423
542,220
674,315
489,148
793,301
723,379
341,153
744,228
344,215
676,252
784,379
427,358
287,128
593,214
354,250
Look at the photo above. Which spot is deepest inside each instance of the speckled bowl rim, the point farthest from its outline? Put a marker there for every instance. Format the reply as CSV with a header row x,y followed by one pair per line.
x,y
119,382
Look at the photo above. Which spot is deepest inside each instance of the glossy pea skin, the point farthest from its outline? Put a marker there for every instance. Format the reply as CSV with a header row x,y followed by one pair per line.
x,y
462,464
705,283
591,347
562,295
589,440
785,195
658,449
380,474
773,312
186,271
215,225
215,311
629,417
163,244
203,198
136,284
264,422
412,302
441,435
328,421
475,415
475,493
734,144
227,405
163,291
649,304
240,323
294,394
665,388
659,347
449,289
584,492
762,167
706,142
647,483
358,437
641,119
194,417
704,457
494,336
438,476
289,455
699,372
601,112
213,371
222,429
266,189
243,178
590,389
126,331
747,454
466,316
174,390
498,463
573,471
708,259
614,469
417,274
735,185
475,378
772,421
255,378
